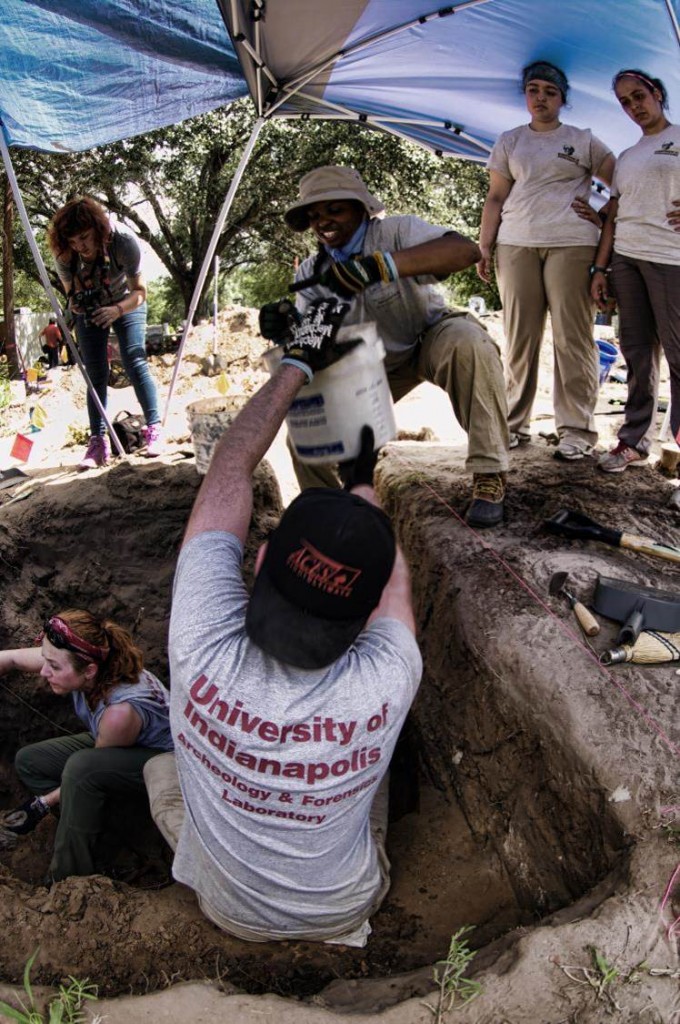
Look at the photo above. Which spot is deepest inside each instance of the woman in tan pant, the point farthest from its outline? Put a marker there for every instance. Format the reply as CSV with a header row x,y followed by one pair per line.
x,y
537,217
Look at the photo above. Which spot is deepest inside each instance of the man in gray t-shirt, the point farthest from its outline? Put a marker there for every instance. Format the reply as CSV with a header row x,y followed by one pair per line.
x,y
286,706
389,267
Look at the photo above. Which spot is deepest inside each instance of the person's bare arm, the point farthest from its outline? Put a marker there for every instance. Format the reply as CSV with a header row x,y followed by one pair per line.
x,y
598,284
119,726
224,501
396,600
605,172
24,659
439,257
499,190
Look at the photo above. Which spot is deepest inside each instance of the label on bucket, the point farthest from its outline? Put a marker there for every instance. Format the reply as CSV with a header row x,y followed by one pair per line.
x,y
320,451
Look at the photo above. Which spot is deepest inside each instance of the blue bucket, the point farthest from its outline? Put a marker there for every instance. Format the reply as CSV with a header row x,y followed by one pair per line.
x,y
608,354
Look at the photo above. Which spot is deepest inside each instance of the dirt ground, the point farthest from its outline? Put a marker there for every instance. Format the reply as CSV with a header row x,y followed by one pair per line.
x,y
531,785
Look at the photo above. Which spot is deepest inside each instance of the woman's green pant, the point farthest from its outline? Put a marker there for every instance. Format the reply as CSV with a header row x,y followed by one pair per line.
x,y
88,777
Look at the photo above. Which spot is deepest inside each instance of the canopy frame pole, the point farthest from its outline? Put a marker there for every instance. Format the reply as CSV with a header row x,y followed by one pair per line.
x,y
210,252
47,285
674,20
292,87
386,122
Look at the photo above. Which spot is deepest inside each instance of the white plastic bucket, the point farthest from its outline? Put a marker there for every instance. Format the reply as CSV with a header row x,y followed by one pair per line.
x,y
208,420
325,420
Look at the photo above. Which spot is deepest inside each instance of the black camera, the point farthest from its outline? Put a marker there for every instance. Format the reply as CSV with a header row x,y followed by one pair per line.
x,y
88,301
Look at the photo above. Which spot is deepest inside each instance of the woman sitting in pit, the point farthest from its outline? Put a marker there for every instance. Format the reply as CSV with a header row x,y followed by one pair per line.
x,y
124,709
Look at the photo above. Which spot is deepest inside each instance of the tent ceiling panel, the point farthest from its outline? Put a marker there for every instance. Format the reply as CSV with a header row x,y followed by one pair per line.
x,y
80,73
462,67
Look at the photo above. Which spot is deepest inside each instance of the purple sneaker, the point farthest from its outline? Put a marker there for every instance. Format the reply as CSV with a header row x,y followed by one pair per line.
x,y
97,453
154,440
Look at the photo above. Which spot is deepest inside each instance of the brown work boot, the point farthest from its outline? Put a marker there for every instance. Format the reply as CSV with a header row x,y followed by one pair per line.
x,y
488,495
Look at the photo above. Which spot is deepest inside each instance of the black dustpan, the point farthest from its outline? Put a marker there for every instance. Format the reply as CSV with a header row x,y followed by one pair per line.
x,y
636,607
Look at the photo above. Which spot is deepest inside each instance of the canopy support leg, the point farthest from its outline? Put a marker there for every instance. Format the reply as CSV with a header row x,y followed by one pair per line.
x,y
210,252
47,285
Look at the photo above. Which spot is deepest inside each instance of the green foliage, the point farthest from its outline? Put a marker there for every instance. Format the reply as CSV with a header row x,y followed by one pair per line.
x,y
165,302
5,389
606,972
65,1008
449,976
253,286
169,185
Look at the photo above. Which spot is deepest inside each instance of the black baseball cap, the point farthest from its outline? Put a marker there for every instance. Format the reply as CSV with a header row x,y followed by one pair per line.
x,y
325,568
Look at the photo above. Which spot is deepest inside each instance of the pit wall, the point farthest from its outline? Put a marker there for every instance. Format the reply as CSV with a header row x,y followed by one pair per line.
x,y
535,755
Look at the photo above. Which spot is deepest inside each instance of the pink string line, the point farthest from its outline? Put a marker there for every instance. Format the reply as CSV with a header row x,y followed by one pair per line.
x,y
641,710
673,929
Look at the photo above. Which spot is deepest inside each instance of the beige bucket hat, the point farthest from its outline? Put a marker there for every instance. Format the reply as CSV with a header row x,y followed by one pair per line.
x,y
324,183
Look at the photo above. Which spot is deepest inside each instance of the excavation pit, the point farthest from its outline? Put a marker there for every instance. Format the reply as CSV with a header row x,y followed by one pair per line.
x,y
498,819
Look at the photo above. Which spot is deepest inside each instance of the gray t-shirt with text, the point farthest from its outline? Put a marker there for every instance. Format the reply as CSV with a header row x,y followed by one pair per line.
x,y
278,765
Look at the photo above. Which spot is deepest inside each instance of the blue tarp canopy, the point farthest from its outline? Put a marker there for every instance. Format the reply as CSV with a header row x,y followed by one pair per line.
x,y
80,73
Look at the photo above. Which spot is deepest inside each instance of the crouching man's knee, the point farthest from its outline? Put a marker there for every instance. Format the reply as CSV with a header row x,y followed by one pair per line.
x,y
165,796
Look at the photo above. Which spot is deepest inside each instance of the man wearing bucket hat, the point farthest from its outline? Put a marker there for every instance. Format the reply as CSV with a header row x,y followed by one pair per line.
x,y
285,706
389,267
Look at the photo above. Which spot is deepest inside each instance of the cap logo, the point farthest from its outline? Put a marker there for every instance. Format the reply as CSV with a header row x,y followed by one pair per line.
x,y
322,572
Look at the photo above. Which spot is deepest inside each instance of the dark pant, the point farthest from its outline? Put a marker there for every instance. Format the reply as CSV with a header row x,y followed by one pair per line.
x,y
88,777
648,297
131,333
52,357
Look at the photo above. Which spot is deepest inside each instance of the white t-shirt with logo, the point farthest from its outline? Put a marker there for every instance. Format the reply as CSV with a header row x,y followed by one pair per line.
x,y
646,181
278,765
548,170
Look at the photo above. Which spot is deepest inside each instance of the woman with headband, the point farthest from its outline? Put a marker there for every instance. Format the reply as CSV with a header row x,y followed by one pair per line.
x,y
641,237
124,709
537,217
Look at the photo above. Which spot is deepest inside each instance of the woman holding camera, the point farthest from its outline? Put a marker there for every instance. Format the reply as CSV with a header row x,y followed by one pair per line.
x,y
99,267
124,709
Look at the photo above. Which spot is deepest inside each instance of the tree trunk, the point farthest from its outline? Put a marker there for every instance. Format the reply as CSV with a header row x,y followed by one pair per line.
x,y
10,345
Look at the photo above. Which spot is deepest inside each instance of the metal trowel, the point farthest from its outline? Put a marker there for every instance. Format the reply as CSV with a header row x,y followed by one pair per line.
x,y
586,619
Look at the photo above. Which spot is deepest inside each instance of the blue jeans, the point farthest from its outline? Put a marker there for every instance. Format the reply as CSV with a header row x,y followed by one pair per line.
x,y
131,333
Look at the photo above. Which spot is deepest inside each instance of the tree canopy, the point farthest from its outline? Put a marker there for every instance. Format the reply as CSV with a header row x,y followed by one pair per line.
x,y
168,187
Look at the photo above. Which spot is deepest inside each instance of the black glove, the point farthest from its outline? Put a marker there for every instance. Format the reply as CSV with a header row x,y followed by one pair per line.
x,y
277,320
353,276
360,470
313,341
23,819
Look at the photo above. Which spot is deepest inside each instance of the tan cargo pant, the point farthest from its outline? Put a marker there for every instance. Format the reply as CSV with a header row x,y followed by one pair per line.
x,y
460,357
532,281
168,811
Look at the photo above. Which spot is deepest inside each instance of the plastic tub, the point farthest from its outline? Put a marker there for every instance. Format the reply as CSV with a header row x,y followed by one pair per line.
x,y
608,354
208,420
325,420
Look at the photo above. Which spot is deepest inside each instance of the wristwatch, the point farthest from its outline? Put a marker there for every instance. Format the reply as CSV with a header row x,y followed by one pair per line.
x,y
594,269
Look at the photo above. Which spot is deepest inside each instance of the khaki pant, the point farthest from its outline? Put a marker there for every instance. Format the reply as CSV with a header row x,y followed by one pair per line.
x,y
168,811
532,281
460,357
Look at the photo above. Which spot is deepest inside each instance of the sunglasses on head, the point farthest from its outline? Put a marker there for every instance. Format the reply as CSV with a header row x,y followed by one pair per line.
x,y
60,635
